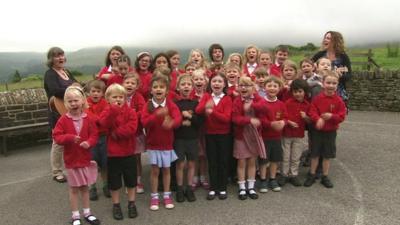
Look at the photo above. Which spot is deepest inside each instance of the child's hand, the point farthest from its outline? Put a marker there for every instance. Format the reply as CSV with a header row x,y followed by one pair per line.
x,y
167,123
278,125
293,124
256,122
77,139
186,123
210,104
303,115
246,106
162,112
320,123
84,145
235,93
326,116
187,114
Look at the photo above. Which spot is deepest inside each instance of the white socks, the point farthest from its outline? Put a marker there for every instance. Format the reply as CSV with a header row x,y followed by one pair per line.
x,y
250,184
242,185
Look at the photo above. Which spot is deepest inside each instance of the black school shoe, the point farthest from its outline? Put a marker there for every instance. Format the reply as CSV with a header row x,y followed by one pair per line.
x,y
180,195
132,211
242,195
222,195
117,212
92,220
295,181
190,194
326,182
211,195
282,180
252,193
310,180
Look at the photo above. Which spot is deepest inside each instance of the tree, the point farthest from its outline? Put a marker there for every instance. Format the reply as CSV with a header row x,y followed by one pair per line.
x,y
16,77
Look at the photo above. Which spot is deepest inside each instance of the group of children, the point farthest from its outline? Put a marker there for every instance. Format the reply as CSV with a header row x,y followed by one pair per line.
x,y
246,117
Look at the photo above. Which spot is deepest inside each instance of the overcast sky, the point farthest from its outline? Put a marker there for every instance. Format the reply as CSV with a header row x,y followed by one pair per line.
x,y
73,24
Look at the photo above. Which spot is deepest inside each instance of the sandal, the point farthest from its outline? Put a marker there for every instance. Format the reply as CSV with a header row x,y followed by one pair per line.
x,y
60,179
92,220
76,222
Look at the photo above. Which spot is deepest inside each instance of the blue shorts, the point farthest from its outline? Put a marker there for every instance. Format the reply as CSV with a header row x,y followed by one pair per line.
x,y
99,152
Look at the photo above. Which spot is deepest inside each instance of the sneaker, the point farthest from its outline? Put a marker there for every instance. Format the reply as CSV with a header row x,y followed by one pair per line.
x,y
132,211
168,202
295,181
211,195
273,185
326,182
117,212
180,195
93,194
263,186
252,193
139,188
92,220
242,195
154,204
190,195
282,180
310,180
222,195
106,191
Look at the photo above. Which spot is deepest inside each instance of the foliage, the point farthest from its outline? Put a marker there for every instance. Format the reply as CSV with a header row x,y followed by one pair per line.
x,y
16,77
76,73
33,77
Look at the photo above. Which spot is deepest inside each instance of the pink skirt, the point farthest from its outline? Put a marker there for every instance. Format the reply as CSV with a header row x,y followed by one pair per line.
x,y
140,144
252,144
84,176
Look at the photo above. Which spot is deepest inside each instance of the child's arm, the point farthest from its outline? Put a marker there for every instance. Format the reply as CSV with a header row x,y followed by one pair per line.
x,y
201,107
176,115
107,116
128,128
226,114
336,117
238,116
147,118
93,135
60,136
259,105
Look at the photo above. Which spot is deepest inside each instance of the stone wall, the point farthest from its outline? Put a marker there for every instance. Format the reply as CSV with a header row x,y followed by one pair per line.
x,y
375,91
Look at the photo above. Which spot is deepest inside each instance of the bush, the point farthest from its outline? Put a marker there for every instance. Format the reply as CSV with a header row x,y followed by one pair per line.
x,y
16,77
32,77
76,73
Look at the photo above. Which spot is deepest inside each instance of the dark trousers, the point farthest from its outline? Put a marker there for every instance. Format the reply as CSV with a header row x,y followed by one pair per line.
x,y
217,148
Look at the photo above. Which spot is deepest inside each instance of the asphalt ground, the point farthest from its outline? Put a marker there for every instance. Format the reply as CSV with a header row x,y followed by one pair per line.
x,y
365,175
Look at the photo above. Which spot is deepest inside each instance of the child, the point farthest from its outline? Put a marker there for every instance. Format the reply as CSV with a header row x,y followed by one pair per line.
x,y
175,60
190,67
186,142
293,133
232,72
124,66
289,73
265,60
272,133
216,53
217,107
161,60
142,67
250,56
314,80
281,55
248,143
136,101
160,117
121,122
111,62
78,134
98,104
235,58
261,75
327,111
197,57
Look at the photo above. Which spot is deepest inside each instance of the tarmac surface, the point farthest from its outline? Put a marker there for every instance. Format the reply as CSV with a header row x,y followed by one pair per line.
x,y
365,175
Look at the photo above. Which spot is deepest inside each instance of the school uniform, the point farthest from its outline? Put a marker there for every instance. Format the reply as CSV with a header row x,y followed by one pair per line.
x,y
145,80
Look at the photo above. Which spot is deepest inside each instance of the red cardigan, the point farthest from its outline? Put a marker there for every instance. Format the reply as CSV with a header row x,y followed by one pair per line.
x,y
158,138
239,118
121,123
332,104
219,121
277,111
137,103
275,70
145,79
94,111
294,108
64,134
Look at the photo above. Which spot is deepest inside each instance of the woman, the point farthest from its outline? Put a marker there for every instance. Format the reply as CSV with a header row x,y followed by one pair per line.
x,y
333,48
56,80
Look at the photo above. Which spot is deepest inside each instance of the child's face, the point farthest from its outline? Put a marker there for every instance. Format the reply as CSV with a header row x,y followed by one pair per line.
x,y
73,102
281,56
130,85
196,57
289,73
235,59
189,70
246,90
95,94
116,99
330,85
298,94
144,63
251,54
232,75
324,65
114,55
272,88
185,87
217,85
159,91
217,55
175,60
199,82
265,59
260,80
123,68
307,68
161,61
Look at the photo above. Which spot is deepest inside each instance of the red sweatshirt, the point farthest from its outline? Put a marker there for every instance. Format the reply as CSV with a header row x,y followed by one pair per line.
x,y
103,70
332,104
276,70
219,121
145,79
240,119
158,138
277,111
121,123
94,111
64,134
294,108
137,103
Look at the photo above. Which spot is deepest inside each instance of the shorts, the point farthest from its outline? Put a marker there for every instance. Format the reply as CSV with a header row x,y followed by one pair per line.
x,y
186,149
99,152
274,151
119,168
323,144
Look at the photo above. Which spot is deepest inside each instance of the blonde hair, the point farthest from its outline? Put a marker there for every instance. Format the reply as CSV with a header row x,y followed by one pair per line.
x,y
329,73
245,80
78,91
232,66
261,72
115,88
245,59
134,76
275,80
238,55
203,63
181,78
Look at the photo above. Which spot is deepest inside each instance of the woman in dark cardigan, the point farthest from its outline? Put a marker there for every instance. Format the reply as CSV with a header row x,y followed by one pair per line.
x,y
56,80
333,48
